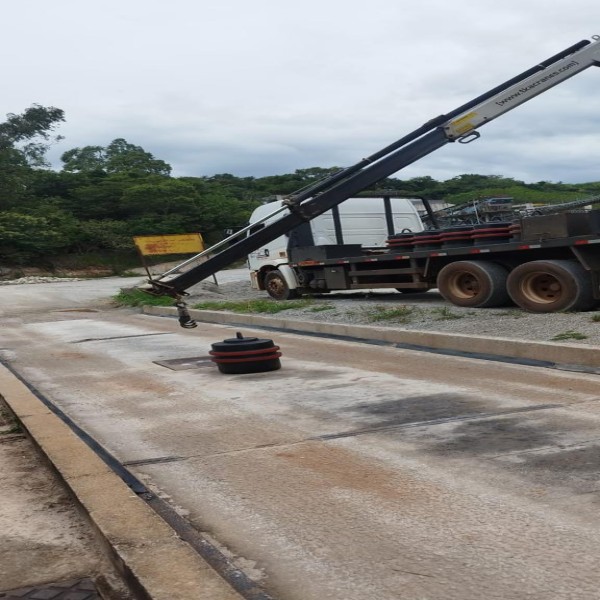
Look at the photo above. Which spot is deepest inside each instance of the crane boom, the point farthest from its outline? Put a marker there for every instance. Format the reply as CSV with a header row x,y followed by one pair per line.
x,y
461,125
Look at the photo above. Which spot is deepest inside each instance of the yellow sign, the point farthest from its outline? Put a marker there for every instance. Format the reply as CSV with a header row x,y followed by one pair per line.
x,y
185,243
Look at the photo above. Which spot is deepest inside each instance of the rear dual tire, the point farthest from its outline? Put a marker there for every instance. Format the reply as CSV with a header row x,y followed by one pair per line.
x,y
545,286
474,284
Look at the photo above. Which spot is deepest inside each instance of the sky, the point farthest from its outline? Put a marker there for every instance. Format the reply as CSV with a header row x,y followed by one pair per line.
x,y
265,87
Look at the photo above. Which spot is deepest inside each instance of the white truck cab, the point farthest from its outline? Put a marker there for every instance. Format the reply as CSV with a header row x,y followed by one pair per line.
x,y
364,221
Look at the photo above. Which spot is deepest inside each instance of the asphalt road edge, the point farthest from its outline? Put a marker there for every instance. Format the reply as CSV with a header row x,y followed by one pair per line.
x,y
570,356
153,560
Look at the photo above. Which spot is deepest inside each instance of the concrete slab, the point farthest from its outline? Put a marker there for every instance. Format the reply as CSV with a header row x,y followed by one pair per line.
x,y
355,470
151,557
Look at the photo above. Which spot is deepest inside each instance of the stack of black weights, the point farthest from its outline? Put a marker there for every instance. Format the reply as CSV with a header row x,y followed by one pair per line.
x,y
245,355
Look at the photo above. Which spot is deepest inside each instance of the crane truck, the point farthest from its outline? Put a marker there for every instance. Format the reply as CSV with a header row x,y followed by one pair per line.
x,y
542,263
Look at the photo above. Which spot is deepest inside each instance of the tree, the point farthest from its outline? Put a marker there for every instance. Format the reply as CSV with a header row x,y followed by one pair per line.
x,y
24,140
118,157
314,174
84,160
123,157
99,196
159,199
25,132
36,234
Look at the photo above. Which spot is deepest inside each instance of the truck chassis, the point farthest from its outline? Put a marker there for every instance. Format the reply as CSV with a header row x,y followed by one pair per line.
x,y
543,275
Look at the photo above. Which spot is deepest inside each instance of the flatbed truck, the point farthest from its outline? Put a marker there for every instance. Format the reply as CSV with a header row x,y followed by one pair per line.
x,y
541,271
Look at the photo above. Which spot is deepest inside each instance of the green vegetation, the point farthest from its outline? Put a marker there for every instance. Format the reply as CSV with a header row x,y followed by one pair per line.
x,y
140,298
444,313
104,195
401,314
321,308
595,318
406,314
256,306
569,335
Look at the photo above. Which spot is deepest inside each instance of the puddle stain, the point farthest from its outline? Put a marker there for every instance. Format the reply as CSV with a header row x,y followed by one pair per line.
x,y
430,407
493,436
532,447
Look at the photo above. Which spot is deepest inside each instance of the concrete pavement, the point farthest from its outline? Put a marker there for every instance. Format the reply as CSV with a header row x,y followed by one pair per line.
x,y
353,471
153,561
239,454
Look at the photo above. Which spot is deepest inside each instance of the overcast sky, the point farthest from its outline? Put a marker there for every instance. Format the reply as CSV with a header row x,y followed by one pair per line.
x,y
264,87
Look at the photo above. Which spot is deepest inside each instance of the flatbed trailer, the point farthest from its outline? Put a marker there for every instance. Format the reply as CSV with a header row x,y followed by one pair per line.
x,y
533,262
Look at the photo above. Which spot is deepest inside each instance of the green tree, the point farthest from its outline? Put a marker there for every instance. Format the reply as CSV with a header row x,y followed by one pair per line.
x,y
159,199
123,157
36,234
24,140
107,234
99,196
84,160
118,157
30,133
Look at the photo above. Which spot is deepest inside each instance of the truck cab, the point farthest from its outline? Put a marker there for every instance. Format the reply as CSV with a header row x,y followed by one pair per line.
x,y
364,222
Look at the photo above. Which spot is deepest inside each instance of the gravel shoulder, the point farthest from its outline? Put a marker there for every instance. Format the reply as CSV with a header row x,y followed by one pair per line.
x,y
422,312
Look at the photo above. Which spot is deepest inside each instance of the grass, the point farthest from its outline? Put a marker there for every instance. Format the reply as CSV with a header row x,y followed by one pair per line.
x,y
595,318
321,308
140,298
402,314
569,335
255,306
405,314
445,314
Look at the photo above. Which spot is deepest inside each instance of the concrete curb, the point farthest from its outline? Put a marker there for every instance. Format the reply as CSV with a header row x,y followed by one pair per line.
x,y
568,355
153,560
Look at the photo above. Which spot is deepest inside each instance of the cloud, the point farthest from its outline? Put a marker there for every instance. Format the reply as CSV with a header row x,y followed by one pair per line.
x,y
269,87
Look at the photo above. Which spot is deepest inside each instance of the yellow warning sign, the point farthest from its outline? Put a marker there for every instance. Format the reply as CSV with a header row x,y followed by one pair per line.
x,y
185,243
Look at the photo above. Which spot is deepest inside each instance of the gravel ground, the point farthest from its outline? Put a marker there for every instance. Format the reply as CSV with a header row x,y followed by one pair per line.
x,y
36,279
424,312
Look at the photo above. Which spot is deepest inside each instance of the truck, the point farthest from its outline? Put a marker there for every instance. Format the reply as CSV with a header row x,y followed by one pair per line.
x,y
543,263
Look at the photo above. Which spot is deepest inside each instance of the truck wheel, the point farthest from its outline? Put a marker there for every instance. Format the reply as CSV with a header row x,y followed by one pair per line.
x,y
277,287
551,286
474,284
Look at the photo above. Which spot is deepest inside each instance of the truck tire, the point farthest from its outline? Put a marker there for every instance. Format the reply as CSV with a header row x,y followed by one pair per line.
x,y
277,287
545,286
474,284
